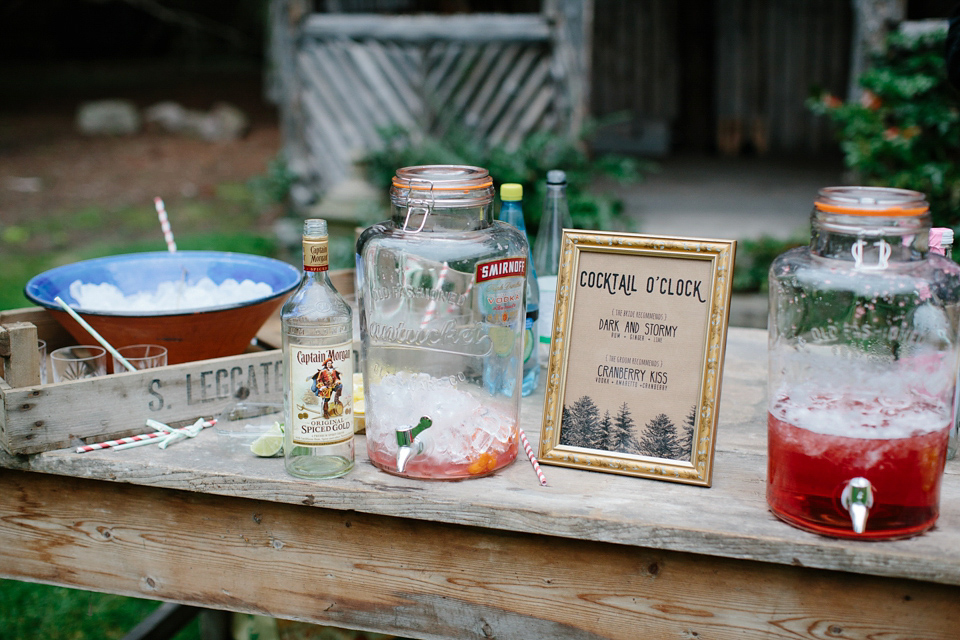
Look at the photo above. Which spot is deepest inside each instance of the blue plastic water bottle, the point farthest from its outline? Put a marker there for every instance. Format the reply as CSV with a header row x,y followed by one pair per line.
x,y
511,211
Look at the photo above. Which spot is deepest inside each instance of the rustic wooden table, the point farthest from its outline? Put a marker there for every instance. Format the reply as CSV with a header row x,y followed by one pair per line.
x,y
591,555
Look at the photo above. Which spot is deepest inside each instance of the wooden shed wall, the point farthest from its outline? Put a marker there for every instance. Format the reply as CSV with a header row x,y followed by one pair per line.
x,y
727,74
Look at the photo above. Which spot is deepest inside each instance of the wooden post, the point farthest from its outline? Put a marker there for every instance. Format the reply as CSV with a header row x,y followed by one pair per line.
x,y
21,358
872,21
573,35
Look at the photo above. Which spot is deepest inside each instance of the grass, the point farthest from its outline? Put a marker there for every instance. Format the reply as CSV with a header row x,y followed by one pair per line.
x,y
56,613
237,219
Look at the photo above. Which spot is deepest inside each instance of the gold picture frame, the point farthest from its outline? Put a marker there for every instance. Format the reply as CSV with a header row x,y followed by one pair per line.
x,y
636,355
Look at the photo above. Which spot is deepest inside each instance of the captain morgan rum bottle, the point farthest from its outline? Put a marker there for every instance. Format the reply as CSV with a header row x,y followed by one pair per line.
x,y
318,368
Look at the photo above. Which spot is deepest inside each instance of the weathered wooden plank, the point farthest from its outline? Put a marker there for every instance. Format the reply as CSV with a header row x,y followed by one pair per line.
x,y
573,45
479,108
408,59
350,93
466,91
39,418
19,354
527,108
380,85
329,166
439,60
400,92
329,86
447,87
507,88
326,146
368,113
729,520
47,326
429,580
477,27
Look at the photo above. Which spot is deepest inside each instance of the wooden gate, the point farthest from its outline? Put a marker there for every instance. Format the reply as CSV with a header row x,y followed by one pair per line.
x,y
344,78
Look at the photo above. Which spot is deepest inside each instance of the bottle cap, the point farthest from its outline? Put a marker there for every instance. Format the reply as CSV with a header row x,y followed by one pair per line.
x,y
947,238
511,191
556,176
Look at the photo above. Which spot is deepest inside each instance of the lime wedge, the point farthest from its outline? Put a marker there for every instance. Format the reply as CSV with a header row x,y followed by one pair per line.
x,y
268,445
528,342
503,338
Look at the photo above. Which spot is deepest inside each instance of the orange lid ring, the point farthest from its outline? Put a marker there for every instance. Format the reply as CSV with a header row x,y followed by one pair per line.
x,y
892,212
483,185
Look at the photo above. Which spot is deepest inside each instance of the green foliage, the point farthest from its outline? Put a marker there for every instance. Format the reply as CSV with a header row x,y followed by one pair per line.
x,y
55,613
273,187
754,257
527,165
237,219
905,131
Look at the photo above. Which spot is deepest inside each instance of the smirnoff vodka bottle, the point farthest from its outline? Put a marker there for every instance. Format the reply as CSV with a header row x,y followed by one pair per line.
x,y
318,368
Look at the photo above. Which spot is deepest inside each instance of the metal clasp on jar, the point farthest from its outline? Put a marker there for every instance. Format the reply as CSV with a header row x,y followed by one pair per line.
x,y
423,205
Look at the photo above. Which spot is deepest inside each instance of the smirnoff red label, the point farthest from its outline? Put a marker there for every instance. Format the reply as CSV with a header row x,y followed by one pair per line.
x,y
501,269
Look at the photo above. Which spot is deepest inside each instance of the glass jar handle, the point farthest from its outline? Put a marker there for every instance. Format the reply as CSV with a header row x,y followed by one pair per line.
x,y
882,258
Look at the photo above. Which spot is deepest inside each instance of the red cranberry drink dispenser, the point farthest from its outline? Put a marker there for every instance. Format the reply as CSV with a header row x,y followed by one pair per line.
x,y
863,361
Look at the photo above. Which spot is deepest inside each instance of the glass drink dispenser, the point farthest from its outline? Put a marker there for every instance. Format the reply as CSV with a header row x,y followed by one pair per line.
x,y
863,360
441,298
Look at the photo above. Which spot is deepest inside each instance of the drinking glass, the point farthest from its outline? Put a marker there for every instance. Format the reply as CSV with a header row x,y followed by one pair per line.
x,y
78,361
141,356
42,349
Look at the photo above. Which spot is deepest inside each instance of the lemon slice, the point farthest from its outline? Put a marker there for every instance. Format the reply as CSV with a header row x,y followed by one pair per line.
x,y
357,387
359,424
503,338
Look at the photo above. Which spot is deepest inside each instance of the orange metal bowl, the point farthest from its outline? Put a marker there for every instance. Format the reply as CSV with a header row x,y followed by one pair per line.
x,y
188,335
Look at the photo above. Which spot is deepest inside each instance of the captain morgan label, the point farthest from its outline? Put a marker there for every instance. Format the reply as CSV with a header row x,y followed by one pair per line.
x,y
321,390
315,256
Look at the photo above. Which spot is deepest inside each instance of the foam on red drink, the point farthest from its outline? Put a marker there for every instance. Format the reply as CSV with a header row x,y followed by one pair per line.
x,y
815,449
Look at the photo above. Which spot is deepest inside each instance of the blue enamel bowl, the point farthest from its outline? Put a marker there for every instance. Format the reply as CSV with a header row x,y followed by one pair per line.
x,y
190,334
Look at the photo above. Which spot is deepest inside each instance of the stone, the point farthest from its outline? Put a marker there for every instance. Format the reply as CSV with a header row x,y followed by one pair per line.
x,y
108,118
169,116
223,123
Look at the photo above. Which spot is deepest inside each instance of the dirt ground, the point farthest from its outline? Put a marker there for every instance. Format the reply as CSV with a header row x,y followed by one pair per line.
x,y
46,166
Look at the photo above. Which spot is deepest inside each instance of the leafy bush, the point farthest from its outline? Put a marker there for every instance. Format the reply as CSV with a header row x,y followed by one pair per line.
x,y
754,257
905,131
526,165
273,186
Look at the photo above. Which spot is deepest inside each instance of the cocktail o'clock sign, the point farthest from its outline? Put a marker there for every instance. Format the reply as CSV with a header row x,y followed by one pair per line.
x,y
636,360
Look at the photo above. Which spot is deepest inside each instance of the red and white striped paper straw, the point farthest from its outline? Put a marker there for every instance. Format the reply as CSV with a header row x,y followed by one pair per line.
x,y
163,431
533,458
165,225
115,443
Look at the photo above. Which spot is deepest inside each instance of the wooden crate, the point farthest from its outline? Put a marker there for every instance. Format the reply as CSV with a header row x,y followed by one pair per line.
x,y
39,417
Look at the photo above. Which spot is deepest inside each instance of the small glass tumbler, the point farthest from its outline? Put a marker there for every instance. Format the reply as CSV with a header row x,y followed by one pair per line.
x,y
77,362
42,349
141,356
